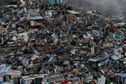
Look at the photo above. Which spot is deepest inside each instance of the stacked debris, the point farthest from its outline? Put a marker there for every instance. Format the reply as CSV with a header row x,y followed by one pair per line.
x,y
61,44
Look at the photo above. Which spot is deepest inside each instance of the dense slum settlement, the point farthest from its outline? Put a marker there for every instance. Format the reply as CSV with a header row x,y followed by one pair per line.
x,y
49,42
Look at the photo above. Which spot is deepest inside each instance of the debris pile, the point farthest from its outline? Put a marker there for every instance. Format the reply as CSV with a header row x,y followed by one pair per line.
x,y
58,44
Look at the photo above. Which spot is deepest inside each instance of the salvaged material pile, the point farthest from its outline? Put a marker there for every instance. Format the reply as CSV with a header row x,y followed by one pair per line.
x,y
60,40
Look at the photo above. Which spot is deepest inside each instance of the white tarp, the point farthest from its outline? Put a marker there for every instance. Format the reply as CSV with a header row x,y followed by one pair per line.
x,y
101,80
73,12
14,73
24,36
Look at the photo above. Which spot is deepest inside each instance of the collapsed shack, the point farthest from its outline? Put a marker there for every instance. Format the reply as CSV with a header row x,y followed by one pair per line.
x,y
36,21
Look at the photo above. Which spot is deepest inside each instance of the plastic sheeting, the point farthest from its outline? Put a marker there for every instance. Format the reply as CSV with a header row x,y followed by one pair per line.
x,y
36,18
4,68
52,2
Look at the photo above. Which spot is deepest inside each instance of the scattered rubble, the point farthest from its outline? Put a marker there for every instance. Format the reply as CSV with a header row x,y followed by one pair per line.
x,y
60,45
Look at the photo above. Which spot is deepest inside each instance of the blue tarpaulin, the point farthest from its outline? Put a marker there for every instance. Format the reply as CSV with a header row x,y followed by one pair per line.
x,y
98,58
52,2
36,17
104,53
4,68
121,75
105,62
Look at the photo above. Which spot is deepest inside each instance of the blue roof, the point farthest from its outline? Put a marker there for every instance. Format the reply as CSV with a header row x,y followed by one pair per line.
x,y
36,17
